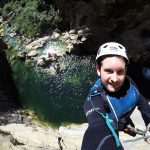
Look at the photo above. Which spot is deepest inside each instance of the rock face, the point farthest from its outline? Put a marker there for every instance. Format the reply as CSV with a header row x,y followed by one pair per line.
x,y
9,97
35,137
29,136
123,21
21,136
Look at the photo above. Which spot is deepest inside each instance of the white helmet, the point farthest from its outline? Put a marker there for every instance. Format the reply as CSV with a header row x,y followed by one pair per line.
x,y
112,48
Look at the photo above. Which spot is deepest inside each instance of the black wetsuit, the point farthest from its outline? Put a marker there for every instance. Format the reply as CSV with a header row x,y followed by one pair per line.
x,y
98,136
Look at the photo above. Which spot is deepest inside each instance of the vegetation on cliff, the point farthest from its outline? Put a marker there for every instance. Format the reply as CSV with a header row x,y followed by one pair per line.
x,y
31,17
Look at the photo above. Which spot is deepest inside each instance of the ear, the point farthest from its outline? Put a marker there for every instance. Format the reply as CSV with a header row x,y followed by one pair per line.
x,y
98,70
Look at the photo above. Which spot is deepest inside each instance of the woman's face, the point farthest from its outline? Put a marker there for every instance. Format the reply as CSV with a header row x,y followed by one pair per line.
x,y
112,73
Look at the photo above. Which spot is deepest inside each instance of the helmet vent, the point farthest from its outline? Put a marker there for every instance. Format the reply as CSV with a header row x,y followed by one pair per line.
x,y
120,47
105,46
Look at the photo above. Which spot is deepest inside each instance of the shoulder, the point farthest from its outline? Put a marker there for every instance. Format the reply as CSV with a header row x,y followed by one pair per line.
x,y
96,89
96,93
95,97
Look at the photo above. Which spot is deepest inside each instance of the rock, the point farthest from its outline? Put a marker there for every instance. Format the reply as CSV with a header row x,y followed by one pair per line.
x,y
55,35
72,31
38,43
73,37
52,70
65,36
13,34
111,20
32,53
22,55
37,137
70,46
41,62
80,32
30,137
83,39
72,136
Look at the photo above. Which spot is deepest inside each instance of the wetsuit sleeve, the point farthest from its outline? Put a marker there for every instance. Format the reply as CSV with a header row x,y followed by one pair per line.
x,y
144,107
97,136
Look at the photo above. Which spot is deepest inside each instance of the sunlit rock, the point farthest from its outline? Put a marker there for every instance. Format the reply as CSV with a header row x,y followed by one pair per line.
x,y
32,53
41,62
22,55
72,31
37,43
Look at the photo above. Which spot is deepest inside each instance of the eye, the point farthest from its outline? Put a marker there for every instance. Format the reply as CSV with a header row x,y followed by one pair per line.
x,y
120,72
109,71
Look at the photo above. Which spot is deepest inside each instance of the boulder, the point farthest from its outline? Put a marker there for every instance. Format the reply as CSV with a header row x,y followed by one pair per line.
x,y
31,137
32,53
38,43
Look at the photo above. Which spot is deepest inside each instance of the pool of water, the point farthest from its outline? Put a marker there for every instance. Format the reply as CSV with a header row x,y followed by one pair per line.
x,y
56,98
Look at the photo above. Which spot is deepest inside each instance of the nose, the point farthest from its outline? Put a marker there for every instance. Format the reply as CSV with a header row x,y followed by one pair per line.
x,y
114,78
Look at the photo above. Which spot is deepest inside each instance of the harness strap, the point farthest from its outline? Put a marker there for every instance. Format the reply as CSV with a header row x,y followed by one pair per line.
x,y
107,119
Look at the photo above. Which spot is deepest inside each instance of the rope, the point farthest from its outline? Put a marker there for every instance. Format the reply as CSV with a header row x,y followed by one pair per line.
x,y
139,132
140,138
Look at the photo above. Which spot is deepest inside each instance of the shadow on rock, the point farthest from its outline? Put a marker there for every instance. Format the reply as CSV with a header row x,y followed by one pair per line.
x,y
9,99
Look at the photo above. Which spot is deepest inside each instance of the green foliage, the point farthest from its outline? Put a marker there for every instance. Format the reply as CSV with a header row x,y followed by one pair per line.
x,y
28,18
8,9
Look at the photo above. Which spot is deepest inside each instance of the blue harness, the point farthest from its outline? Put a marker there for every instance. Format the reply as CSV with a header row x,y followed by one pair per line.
x,y
118,106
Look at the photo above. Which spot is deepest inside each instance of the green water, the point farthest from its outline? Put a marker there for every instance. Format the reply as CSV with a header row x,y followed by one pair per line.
x,y
56,98
53,46
59,98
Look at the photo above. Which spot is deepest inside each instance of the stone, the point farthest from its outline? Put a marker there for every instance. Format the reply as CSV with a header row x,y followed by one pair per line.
x,y
80,32
38,43
65,36
72,31
33,136
41,62
30,137
73,37
55,35
32,53
22,55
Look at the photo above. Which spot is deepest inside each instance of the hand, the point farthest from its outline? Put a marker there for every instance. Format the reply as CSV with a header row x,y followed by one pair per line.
x,y
147,134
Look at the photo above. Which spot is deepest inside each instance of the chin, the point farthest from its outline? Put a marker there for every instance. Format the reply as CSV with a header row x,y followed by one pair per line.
x,y
113,90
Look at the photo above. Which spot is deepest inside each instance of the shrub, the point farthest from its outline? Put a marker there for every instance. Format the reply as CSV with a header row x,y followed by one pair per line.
x,y
30,21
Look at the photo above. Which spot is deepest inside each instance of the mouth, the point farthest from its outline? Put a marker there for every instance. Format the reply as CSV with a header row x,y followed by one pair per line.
x,y
115,86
